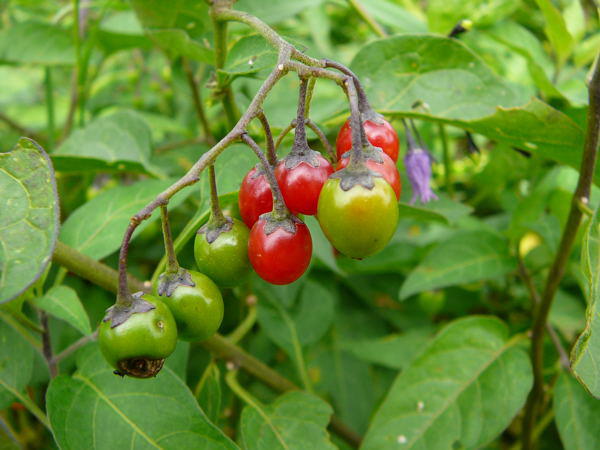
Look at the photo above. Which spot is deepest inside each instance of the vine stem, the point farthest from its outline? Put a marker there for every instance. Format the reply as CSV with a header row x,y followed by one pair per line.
x,y
279,207
367,17
582,194
219,346
172,264
47,345
300,141
271,149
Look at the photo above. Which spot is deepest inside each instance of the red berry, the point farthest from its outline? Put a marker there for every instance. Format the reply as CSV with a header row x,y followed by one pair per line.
x,y
302,184
380,135
387,169
280,257
255,197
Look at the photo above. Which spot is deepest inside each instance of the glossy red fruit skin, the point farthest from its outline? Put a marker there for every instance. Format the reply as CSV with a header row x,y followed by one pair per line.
x,y
301,185
280,257
387,169
255,197
379,135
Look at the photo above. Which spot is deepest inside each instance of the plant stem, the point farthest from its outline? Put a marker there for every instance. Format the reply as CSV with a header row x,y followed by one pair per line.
x,y
172,264
271,151
217,218
300,141
355,124
74,347
197,101
244,327
447,161
229,106
309,96
47,345
330,151
49,90
279,207
284,133
582,193
107,278
367,17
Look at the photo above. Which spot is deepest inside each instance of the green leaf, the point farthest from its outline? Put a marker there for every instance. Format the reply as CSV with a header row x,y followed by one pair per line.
x,y
121,31
577,414
16,364
556,30
465,257
249,55
459,89
275,10
28,217
444,14
394,351
304,323
296,420
119,142
394,16
586,352
36,43
209,392
180,27
96,409
62,302
461,392
96,228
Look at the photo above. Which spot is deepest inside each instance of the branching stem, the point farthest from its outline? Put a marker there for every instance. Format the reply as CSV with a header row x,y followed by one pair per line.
x,y
557,270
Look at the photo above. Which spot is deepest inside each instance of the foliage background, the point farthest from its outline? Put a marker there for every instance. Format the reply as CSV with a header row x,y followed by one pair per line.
x,y
112,107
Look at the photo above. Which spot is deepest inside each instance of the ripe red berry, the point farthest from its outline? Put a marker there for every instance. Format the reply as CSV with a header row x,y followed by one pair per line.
x,y
255,197
387,169
279,252
301,184
380,135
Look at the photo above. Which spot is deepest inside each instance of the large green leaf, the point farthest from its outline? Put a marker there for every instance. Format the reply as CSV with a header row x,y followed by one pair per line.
x,y
296,420
119,142
180,27
585,355
96,228
62,302
275,10
95,409
444,14
461,392
577,414
465,257
16,364
459,89
249,55
28,217
36,43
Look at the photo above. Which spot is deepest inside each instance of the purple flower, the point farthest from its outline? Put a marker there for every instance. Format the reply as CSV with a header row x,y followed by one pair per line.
x,y
418,167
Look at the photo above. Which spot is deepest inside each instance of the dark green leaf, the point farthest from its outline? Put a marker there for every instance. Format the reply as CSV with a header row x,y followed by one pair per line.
x,y
465,257
459,89
296,420
96,409
96,228
462,391
36,43
180,27
62,302
28,217
16,364
119,142
586,352
577,414
209,392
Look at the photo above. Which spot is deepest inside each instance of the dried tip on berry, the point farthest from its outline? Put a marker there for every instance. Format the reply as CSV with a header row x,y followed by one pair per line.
x,y
139,367
418,167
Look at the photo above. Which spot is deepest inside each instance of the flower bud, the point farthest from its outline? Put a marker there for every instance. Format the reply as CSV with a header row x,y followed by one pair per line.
x,y
418,167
